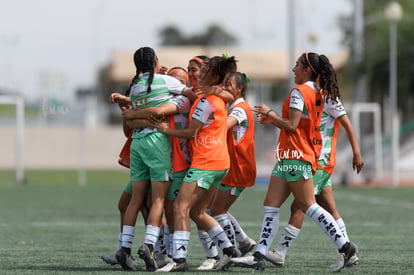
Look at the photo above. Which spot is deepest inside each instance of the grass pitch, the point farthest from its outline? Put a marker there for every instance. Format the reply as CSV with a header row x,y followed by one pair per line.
x,y
54,226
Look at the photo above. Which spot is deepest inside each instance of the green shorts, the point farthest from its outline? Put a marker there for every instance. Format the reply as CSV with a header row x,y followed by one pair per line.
x,y
235,191
205,178
151,157
321,180
176,184
292,170
128,187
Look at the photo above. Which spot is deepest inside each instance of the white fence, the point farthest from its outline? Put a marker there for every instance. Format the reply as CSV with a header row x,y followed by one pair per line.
x,y
59,147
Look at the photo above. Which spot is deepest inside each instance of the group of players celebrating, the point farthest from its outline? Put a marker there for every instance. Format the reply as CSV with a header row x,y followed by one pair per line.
x,y
191,153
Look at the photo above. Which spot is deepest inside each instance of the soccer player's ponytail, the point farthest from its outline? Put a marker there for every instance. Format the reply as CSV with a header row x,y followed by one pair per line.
x,y
323,73
144,59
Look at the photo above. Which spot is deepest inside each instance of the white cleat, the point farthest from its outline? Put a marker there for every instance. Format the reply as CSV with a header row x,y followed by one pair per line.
x,y
339,263
275,258
225,260
209,264
348,253
246,261
224,263
256,261
162,260
174,267
354,260
110,258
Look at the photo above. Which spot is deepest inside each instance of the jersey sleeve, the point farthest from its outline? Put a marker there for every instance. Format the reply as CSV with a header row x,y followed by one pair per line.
x,y
174,85
296,100
182,102
334,109
239,114
203,110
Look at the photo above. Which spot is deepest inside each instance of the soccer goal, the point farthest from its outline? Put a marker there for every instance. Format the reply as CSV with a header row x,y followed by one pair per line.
x,y
375,109
18,101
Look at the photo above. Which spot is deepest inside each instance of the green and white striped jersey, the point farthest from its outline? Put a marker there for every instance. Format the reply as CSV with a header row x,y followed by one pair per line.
x,y
163,88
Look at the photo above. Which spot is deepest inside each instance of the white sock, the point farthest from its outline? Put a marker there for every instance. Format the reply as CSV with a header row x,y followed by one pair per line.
x,y
128,234
289,235
225,223
238,231
151,234
167,239
342,226
160,247
270,226
208,245
171,247
327,223
119,245
218,236
180,244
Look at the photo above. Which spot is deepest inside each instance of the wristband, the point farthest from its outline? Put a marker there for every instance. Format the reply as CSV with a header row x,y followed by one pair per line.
x,y
267,114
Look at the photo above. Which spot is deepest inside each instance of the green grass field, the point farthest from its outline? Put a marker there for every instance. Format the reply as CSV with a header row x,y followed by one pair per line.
x,y
54,226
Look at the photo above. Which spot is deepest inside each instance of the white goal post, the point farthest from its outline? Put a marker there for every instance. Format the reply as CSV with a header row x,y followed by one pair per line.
x,y
18,101
375,109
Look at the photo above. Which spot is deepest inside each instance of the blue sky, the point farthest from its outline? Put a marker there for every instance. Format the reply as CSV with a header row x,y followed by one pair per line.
x,y
50,47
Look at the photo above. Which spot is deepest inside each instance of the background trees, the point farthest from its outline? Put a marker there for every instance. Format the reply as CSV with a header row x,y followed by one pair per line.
x,y
375,63
214,35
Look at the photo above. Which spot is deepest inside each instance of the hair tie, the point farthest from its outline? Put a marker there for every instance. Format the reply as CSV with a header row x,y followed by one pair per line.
x,y
307,58
225,55
245,76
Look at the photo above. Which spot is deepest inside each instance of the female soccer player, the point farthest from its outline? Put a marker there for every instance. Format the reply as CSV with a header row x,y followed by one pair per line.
x,y
177,110
242,173
194,69
297,152
124,160
150,155
210,162
333,115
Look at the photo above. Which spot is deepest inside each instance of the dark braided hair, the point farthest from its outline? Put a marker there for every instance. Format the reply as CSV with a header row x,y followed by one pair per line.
x,y
220,66
322,70
144,59
128,91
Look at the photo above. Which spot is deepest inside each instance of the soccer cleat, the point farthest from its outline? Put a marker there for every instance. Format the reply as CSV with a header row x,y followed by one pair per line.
x,y
146,254
246,261
225,260
339,263
275,258
354,260
347,251
232,252
260,261
209,264
110,258
257,261
224,263
162,260
246,246
125,259
174,266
